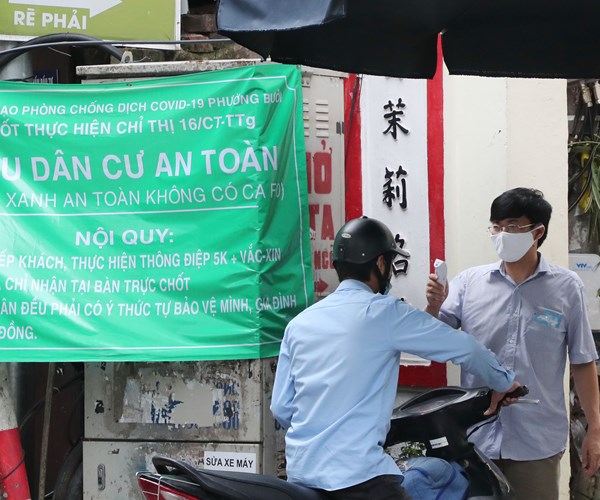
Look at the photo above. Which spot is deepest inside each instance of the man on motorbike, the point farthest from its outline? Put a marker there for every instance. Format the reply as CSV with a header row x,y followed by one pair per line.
x,y
337,374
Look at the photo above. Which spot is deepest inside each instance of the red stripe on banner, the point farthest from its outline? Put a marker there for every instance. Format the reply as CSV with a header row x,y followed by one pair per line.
x,y
435,162
14,484
434,375
352,146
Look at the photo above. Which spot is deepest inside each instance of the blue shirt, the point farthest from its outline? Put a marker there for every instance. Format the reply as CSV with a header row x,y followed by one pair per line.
x,y
337,376
530,327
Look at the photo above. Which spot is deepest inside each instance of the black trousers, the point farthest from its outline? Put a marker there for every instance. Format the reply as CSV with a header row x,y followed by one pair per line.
x,y
387,487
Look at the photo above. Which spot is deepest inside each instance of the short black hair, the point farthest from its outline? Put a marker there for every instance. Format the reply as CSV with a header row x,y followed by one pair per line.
x,y
522,202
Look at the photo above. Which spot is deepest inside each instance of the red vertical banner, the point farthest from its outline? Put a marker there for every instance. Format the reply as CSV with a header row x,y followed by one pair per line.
x,y
319,167
435,161
323,113
352,146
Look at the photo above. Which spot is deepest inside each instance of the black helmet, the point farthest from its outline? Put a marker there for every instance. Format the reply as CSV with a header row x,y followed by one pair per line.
x,y
361,240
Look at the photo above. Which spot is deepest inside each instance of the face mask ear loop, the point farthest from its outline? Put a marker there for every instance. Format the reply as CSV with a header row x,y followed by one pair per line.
x,y
540,225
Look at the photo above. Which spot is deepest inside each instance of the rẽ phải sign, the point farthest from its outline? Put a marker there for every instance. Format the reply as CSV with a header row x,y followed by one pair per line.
x,y
161,219
103,19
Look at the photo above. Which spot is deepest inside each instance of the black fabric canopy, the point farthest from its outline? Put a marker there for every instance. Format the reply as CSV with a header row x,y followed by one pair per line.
x,y
509,38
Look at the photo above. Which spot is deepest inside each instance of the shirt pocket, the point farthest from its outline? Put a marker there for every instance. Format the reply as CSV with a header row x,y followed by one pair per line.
x,y
545,330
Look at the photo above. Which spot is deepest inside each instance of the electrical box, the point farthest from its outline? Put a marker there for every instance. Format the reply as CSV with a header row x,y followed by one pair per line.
x,y
198,412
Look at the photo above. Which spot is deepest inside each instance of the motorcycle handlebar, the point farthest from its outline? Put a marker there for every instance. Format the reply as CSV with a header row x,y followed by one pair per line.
x,y
519,392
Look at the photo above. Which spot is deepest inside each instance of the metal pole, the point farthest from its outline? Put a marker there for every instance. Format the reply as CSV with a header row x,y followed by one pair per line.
x,y
46,432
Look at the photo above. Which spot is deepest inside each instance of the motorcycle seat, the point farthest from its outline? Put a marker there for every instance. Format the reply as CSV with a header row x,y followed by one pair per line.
x,y
237,485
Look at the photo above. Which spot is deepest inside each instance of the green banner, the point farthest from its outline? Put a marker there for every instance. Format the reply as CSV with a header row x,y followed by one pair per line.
x,y
153,220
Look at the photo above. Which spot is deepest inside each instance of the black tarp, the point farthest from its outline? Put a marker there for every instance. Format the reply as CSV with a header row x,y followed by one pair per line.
x,y
524,38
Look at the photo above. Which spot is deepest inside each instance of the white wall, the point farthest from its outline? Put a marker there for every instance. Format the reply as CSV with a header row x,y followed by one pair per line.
x,y
500,134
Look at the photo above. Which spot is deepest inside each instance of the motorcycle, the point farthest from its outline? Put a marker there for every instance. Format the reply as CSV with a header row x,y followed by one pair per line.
x,y
440,419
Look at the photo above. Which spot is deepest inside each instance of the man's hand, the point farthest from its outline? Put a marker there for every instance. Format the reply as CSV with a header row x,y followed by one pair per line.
x,y
586,383
590,452
436,294
499,398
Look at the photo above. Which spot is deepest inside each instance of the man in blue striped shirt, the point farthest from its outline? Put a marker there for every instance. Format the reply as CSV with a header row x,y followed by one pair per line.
x,y
531,313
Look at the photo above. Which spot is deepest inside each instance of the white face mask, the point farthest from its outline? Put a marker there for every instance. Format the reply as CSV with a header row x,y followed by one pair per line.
x,y
511,247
